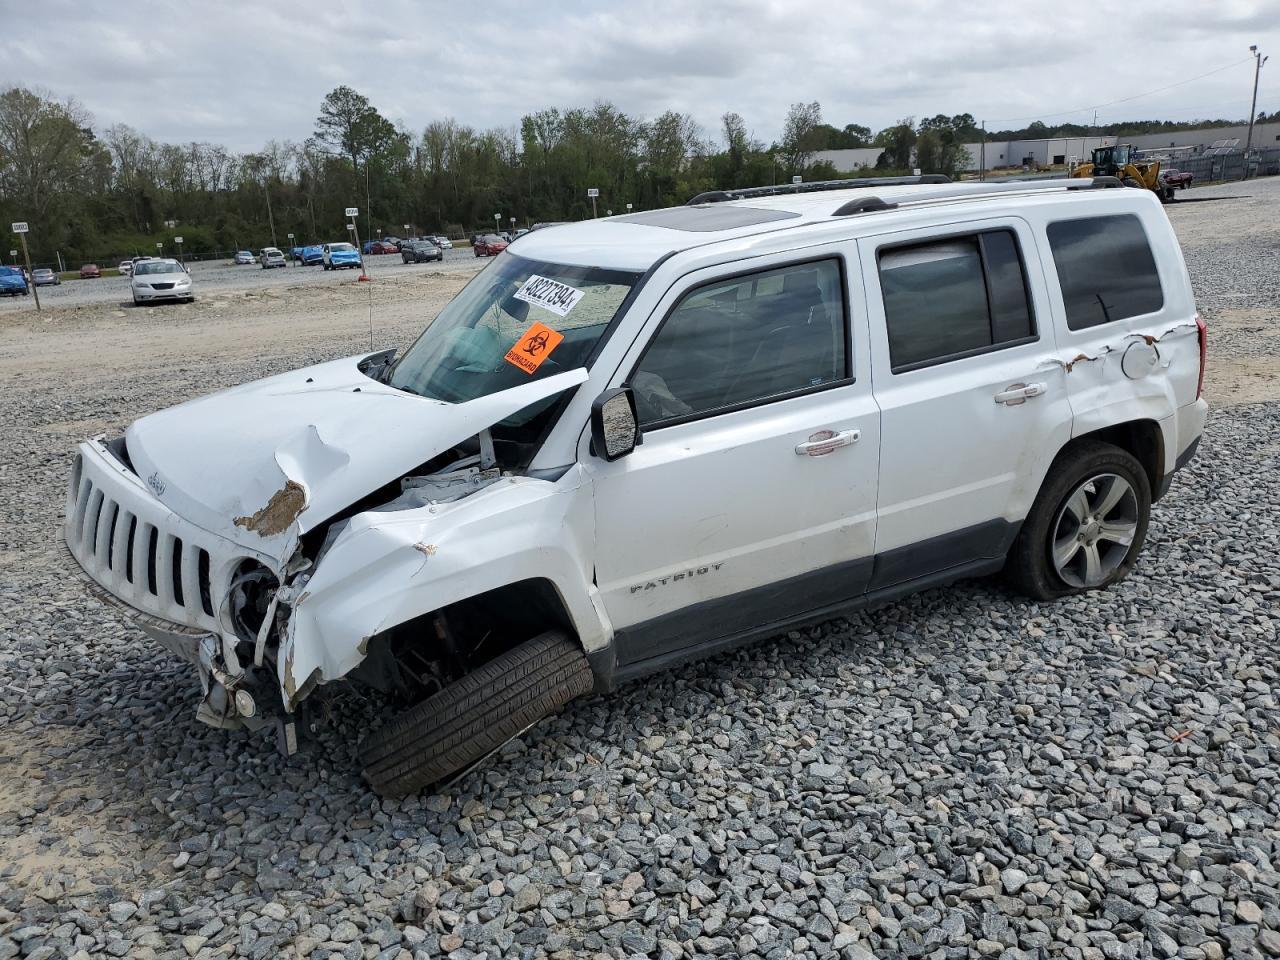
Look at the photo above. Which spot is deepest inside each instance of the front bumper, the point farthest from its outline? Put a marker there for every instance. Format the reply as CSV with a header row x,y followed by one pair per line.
x,y
166,574
145,293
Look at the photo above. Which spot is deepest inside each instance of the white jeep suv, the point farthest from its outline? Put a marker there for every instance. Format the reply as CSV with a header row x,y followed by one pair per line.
x,y
651,437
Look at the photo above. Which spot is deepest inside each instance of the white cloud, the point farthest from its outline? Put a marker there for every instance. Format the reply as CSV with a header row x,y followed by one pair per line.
x,y
241,73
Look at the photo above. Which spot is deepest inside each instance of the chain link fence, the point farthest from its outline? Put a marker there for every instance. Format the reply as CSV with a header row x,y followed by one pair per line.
x,y
1231,166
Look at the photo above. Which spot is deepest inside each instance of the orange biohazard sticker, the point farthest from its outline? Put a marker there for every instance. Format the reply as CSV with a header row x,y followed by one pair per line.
x,y
534,346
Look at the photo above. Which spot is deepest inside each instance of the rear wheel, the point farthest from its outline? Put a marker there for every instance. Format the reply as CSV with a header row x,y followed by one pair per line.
x,y
1087,525
453,730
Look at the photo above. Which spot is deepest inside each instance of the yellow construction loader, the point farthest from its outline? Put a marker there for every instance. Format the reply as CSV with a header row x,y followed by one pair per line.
x,y
1118,161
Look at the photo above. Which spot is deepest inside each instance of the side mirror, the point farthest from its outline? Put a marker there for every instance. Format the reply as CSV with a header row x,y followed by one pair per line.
x,y
615,428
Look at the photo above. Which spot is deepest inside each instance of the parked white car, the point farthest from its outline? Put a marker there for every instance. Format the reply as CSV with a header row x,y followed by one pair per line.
x,y
645,439
444,243
125,268
271,257
160,279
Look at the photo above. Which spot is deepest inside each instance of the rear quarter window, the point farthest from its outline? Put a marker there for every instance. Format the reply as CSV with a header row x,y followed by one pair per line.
x,y
1105,268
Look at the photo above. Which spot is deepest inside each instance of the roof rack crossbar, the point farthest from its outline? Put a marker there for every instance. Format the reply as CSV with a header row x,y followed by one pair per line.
x,y
783,189
961,191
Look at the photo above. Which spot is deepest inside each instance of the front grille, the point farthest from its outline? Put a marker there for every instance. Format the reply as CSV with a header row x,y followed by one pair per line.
x,y
129,549
162,286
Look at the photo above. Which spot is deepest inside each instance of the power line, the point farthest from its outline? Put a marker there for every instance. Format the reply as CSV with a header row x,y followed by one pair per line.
x,y
1112,103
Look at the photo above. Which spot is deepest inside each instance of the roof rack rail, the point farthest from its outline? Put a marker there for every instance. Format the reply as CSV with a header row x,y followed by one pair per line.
x,y
960,191
782,189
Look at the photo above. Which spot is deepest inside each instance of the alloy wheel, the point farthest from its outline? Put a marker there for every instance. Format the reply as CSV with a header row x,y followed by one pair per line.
x,y
1094,530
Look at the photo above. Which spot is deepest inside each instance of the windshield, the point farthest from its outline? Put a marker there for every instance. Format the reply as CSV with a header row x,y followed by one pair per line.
x,y
342,248
517,321
156,266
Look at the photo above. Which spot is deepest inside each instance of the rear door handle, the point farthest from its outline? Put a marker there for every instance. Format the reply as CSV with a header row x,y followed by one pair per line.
x,y
826,441
1017,393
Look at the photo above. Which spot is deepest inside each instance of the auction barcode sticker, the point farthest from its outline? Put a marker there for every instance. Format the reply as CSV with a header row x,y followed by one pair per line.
x,y
549,294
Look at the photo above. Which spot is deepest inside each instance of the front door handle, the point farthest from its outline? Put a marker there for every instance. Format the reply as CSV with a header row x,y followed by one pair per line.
x,y
1017,393
826,441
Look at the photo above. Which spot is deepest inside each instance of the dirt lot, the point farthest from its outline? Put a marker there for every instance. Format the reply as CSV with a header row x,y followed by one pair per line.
x,y
962,773
264,322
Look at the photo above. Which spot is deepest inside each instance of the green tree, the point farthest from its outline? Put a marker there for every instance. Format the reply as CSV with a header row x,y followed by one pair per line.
x,y
43,148
801,135
898,142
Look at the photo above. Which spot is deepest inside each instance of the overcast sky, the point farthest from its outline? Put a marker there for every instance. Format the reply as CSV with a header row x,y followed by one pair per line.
x,y
242,73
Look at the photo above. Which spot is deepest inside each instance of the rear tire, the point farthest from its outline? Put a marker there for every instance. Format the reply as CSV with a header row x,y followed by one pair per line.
x,y
1071,513
458,727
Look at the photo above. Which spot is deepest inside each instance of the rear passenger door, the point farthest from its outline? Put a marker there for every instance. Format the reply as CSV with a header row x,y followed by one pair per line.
x,y
973,404
751,498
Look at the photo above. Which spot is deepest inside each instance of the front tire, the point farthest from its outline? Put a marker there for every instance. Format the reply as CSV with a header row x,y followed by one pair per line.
x,y
453,730
1087,525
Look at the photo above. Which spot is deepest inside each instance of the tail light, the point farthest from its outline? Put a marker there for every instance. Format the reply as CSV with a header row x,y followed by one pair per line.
x,y
1202,333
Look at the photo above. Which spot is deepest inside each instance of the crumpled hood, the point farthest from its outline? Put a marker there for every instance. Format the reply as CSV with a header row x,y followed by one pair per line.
x,y
262,463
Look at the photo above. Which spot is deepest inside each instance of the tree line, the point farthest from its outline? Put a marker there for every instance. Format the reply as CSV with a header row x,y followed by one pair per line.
x,y
104,193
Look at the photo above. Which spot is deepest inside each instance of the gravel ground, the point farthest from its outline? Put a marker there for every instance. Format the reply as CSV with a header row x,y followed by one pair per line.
x,y
224,277
963,773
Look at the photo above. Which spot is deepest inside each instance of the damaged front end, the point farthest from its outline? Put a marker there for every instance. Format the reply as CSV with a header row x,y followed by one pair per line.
x,y
209,521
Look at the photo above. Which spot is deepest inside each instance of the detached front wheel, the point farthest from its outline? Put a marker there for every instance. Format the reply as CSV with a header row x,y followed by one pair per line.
x,y
1087,525
453,730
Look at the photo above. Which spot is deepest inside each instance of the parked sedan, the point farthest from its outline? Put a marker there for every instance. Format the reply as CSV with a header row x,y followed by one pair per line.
x,y
161,280
12,282
44,277
126,268
273,257
444,243
312,255
245,257
489,245
90,271
420,251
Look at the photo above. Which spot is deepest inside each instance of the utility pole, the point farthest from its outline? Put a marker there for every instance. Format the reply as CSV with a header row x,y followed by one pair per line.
x,y
982,163
266,188
368,205
1258,61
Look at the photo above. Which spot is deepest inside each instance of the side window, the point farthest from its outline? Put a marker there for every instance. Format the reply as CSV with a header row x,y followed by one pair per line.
x,y
1105,268
743,340
953,298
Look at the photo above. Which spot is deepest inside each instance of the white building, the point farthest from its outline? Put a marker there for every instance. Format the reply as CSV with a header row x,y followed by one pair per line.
x,y
1061,150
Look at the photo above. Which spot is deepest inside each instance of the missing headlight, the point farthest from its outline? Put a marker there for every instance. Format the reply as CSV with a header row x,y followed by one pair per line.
x,y
252,589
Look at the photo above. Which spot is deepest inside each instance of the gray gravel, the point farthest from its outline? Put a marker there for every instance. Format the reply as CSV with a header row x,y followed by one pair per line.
x,y
960,774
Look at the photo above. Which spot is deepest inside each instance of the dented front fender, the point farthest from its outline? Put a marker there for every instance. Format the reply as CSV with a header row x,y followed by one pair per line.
x,y
386,568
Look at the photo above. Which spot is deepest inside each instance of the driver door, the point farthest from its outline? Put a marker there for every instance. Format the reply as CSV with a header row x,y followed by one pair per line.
x,y
751,500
